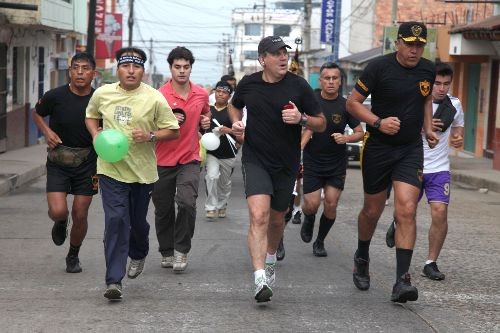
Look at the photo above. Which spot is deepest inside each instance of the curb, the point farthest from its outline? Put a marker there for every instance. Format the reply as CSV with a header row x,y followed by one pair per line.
x,y
9,182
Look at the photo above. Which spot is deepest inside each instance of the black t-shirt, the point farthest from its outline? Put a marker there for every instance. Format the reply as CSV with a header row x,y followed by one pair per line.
x,y
268,140
67,115
322,153
397,91
224,150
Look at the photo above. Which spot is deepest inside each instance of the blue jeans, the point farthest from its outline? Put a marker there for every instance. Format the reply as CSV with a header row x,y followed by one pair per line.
x,y
126,229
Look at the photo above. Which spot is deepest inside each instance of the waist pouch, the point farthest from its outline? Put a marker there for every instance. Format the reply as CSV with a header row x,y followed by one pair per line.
x,y
67,156
446,112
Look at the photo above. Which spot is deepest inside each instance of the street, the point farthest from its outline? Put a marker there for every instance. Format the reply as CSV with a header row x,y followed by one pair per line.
x,y
215,293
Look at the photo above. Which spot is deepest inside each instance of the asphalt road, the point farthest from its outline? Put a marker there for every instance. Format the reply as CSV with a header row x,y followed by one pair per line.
x,y
215,294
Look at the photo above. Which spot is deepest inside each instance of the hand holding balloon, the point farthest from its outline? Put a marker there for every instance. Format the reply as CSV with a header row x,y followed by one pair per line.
x,y
111,145
210,141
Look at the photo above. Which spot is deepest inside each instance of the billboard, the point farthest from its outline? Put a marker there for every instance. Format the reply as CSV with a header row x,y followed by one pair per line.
x,y
110,39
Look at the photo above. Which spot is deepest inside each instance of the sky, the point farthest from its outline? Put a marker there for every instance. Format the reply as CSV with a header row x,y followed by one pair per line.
x,y
198,25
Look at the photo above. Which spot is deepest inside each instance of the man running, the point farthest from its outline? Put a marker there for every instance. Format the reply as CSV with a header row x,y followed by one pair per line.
x,y
325,158
400,85
278,104
448,121
71,158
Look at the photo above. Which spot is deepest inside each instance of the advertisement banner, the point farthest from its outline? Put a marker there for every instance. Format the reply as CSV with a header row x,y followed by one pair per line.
x,y
100,10
328,14
110,39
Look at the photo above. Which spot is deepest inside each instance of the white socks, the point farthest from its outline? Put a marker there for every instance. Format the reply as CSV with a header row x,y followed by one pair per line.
x,y
428,262
271,258
258,275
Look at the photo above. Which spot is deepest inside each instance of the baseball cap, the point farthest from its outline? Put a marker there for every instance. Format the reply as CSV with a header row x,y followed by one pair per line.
x,y
413,32
225,86
271,44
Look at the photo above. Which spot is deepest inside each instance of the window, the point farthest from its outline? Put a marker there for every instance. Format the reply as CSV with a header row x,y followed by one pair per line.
x,y
250,55
282,30
252,29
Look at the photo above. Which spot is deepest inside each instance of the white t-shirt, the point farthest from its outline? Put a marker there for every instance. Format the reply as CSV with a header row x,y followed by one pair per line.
x,y
436,159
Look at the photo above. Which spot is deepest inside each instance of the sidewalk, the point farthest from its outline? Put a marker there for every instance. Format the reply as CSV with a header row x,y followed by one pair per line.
x,y
21,166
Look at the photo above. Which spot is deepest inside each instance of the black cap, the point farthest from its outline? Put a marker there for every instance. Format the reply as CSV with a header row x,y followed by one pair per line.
x,y
225,86
271,44
413,32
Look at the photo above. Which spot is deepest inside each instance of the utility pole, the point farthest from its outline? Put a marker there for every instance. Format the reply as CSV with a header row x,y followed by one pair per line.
x,y
91,28
306,38
394,13
130,21
225,51
264,19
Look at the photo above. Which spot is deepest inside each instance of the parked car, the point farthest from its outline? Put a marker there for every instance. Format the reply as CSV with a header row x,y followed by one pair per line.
x,y
354,148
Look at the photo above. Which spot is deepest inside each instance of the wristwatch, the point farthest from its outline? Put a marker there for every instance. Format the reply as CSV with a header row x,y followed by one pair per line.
x,y
152,137
303,120
377,122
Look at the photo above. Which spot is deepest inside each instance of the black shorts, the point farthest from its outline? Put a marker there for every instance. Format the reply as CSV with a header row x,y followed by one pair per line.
x,y
81,180
314,181
279,185
381,164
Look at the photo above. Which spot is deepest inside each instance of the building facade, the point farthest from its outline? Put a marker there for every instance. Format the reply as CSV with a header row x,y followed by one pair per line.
x,y
37,39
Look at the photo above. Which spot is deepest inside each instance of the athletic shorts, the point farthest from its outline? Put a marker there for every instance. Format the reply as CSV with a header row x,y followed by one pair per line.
x,y
313,181
81,180
279,185
381,164
436,187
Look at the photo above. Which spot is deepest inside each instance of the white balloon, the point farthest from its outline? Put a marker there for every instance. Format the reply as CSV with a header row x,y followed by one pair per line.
x,y
210,141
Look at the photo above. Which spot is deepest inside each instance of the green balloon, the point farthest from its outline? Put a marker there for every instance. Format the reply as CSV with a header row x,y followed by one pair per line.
x,y
111,145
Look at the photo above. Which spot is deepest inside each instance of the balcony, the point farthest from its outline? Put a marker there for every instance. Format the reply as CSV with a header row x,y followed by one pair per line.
x,y
53,14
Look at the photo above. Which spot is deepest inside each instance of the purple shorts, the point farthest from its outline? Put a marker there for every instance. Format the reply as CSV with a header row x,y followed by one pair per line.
x,y
436,187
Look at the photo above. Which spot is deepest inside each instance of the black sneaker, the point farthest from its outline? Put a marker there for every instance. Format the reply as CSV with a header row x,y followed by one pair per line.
x,y
73,264
403,291
280,252
432,272
319,249
389,236
306,231
59,232
360,273
113,292
297,218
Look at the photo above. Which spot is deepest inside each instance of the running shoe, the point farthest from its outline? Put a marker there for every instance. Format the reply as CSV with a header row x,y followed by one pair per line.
x,y
306,231
271,274
389,236
59,232
280,252
432,272
403,291
319,249
73,264
211,214
222,212
180,261
297,218
135,267
113,292
263,292
167,262
361,274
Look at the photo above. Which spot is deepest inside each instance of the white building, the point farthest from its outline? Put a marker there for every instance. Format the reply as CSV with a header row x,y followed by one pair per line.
x,y
37,38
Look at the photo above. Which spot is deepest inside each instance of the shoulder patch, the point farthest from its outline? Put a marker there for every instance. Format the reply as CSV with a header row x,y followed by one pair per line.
x,y
362,85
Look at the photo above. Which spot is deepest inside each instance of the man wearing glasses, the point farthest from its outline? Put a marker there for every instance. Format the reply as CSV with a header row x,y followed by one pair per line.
x,y
400,85
71,159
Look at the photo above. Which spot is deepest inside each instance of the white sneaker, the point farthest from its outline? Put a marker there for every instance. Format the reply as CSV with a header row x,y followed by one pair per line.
x,y
180,261
135,268
271,274
263,292
167,262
